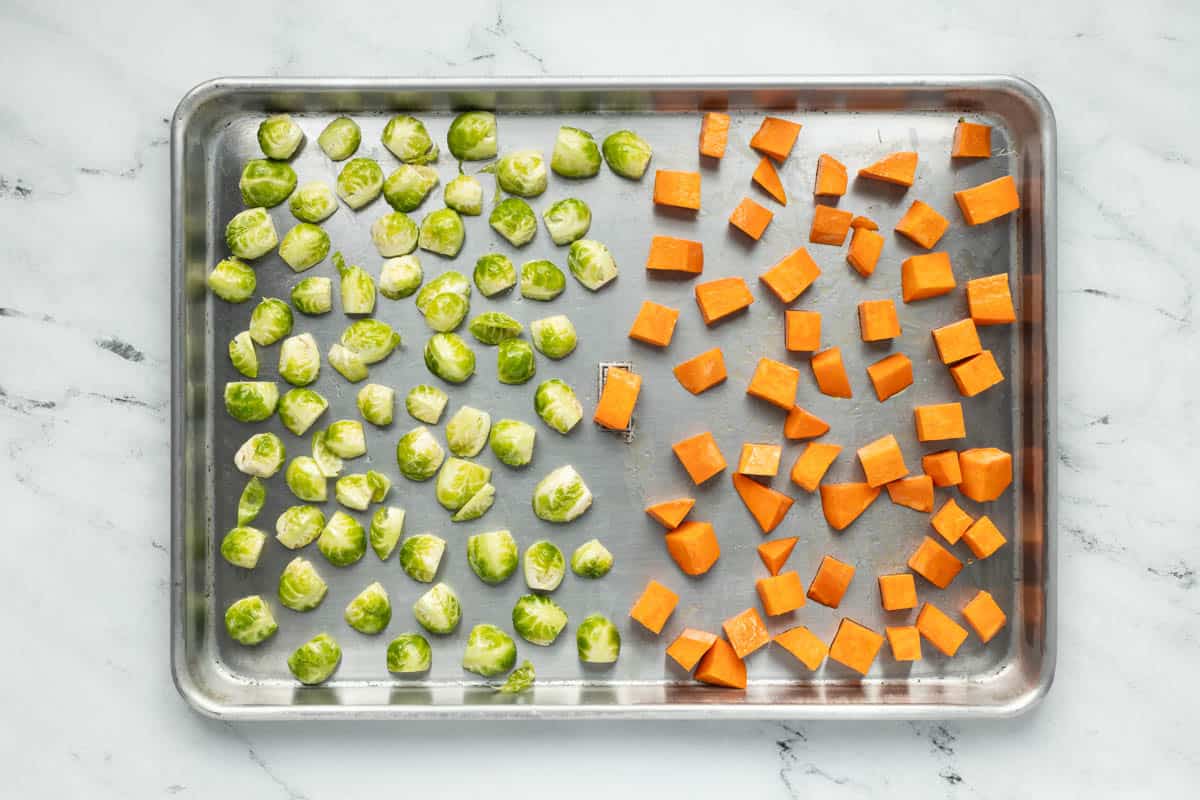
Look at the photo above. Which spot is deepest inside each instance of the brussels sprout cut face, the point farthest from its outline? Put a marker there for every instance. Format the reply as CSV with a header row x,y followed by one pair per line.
x,y
576,154
442,232
249,621
555,402
472,136
299,359
266,183
541,280
370,611
387,525
512,442
306,480
492,556
490,651
561,496
232,281
301,588
408,140
591,560
598,640
251,501
243,356
494,273
251,401
449,282
591,263
299,526
493,327
544,566
467,431
313,296
438,610
371,339
627,154
519,680
346,439
315,660
514,220
420,556
394,234
448,357
329,464
464,194
354,491
514,361
243,546
400,277
343,541
313,202
377,404
340,139
458,481
522,172
445,312
347,362
554,337
360,182
419,455
426,403
261,455
477,506
358,288
279,137
407,187
251,233
538,620
300,408
408,653
567,220
304,246
270,321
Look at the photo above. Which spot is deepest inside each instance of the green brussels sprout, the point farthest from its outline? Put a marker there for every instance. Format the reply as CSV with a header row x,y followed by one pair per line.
x,y
261,455
394,234
512,442
251,501
442,232
304,246
449,282
408,140
249,621
555,402
243,356
399,277
327,461
343,540
232,280
438,610
353,491
346,438
387,525
380,485
407,653
490,651
520,680
591,263
279,137
472,136
448,357
426,403
567,220
251,233
492,556
554,337
576,154
477,506
458,481
313,202
340,139
306,480
370,611
377,404
446,312
300,408
266,183
270,321
464,194
537,619
542,280
360,182
421,555
598,640
513,219
299,526
348,363
514,361
358,287
315,660
407,187
494,273
544,566
242,547
371,339
591,560
626,153
301,588
299,359
313,296
493,327
522,172
418,454
467,431
251,401
561,496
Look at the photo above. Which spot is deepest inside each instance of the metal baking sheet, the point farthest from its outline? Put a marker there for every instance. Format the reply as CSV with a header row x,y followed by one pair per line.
x,y
857,119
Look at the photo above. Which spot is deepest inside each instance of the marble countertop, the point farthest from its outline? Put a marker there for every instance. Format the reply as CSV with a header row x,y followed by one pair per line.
x,y
84,202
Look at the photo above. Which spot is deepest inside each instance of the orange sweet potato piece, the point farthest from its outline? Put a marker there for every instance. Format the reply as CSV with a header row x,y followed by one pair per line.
x,y
830,583
689,646
831,177
984,538
935,563
766,177
915,493
926,275
957,341
882,461
988,201
702,372
775,382
942,632
751,218
922,224
976,374
829,225
669,254
788,279
780,593
775,137
812,464
677,189
842,503
939,421
617,398
775,552
971,140
951,521
759,459
990,300
890,375
942,467
722,297
802,643
655,324
830,373
801,424
897,592
720,666
700,456
694,547
898,168
865,247
864,222
714,134
670,513
984,615
768,506
905,641
878,321
802,331
656,603
746,632
855,646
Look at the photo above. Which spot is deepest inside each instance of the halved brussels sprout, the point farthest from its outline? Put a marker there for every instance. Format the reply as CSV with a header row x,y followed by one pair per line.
x,y
493,327
567,220
407,653
544,566
358,287
242,547
249,621
313,296
279,136
232,281
591,560
561,496
494,273
301,588
521,679
315,660
407,187
299,526
343,540
299,409
250,503
477,506
452,282
400,277
266,183
251,233
251,401
261,455
464,194
354,491
492,556
370,611
327,461
515,363
360,182
270,321
446,312
304,246
438,610
448,357
542,280
347,362
537,619
512,442
467,431
346,438
419,455
513,219
490,651
243,355
340,139
299,359
522,172
394,234
591,263
554,337
576,154
421,555
442,232
377,404
627,154
387,525
380,485
472,136
306,480
598,640
426,403
313,202
555,402
371,339
458,481
408,140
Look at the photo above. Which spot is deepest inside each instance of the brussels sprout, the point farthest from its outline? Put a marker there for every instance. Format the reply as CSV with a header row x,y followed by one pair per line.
x,y
251,501
576,154
522,172
340,139
537,619
467,431
521,679
512,442
472,136
266,183
358,288
477,506
299,409
407,187
387,525
591,263
232,281
251,401
353,491
492,556
306,480
591,560
555,402
270,321
493,327
370,611
490,651
494,273
407,653
438,610
343,541
449,282
449,357
279,136
261,455
313,296
299,359
554,337
400,277
442,232
346,438
542,280
544,566
418,454
513,219
408,140
242,547
377,404
348,363
251,233
360,182
243,355
598,640
304,246
315,660
371,339
299,526
561,496
301,588
327,461
567,220
394,234
626,153
421,555
464,194
446,312
249,621
313,202
458,481
380,484
426,403
514,361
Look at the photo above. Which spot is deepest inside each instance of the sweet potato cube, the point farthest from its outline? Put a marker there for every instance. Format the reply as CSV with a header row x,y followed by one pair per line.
x,y
878,321
669,254
977,374
882,461
939,421
915,493
803,331
617,398
897,592
775,137
971,140
812,464
759,459
986,471
805,645
671,512
951,521
855,646
989,300
926,275
890,375
935,563
722,297
694,547
766,177
983,537
830,373
943,467
794,273
654,324
942,632
922,225
831,177
768,506
720,666
714,134
865,248
780,593
654,606
700,456
751,218
775,382
988,201
984,615
957,341
689,646
774,553
842,503
677,189
746,632
801,424
864,222
702,372
898,168
905,641
829,225
830,583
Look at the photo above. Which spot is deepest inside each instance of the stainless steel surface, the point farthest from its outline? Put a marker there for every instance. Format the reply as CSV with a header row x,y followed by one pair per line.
x,y
857,119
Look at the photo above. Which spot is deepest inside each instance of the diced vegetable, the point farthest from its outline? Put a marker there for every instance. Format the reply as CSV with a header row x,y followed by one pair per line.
x,y
935,563
544,566
387,526
618,398
438,610
313,296
915,492
279,136
942,467
472,136
515,363
464,194
394,234
942,632
442,232
405,136
922,225
249,621
654,324
347,362
554,337
409,653
407,187
538,619
802,331
467,431
445,312
360,182
690,646
831,177
957,341
591,560
694,547
522,172
855,646
576,154
746,632
243,546
270,321
701,372
984,538
343,540
561,496
626,154
759,459
458,481
751,218
780,593
830,583
714,136
301,588
266,183
513,219
990,300
377,404
775,552
670,513
805,645
426,403
987,201
766,177
677,189
250,234
555,402
654,606
251,401
938,422
668,254
597,640
449,282
346,438
971,140
313,202
370,611
768,506
512,442
353,491
865,247
721,298
813,463
792,275
890,375
299,359
720,666
775,137
591,263
448,357
421,555
541,280
986,473
830,373
842,503
340,139
927,275
243,356
882,461
898,168
400,277
304,246
316,660
232,281
775,382
897,592
829,225
801,424
419,455
976,374
490,651
494,273
700,456
984,615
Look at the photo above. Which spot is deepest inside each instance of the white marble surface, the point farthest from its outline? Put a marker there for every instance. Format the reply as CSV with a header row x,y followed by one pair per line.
x,y
88,705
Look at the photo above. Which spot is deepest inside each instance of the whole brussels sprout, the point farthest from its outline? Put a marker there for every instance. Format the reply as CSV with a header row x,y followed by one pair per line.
x,y
299,359
371,339
464,194
266,183
493,327
300,408
315,660
270,321
387,525
519,680
249,621
591,263
313,202
591,560
438,610
243,356
448,357
279,137
472,136
567,220
377,404
512,442
426,403
554,337
353,491
542,280
561,496
360,182
522,172
251,501
449,282
343,541
494,273
358,287
313,296
408,140
370,611
251,233
442,232
407,187
598,640
421,555
537,619
446,312
301,588
306,480
576,154
380,485
243,546
492,556
627,154
327,461
304,246
346,438
467,431
419,455
458,481
261,455
514,361
490,651
340,139
400,277
513,219
408,653
232,281
251,401
394,234
555,402
299,526
477,506
544,566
